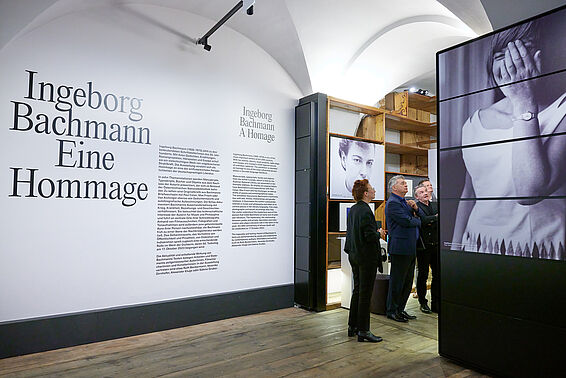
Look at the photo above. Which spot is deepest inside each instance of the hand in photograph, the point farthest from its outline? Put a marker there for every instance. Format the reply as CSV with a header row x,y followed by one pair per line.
x,y
517,62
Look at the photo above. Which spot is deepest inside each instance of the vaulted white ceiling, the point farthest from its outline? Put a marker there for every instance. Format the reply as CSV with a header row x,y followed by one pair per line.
x,y
358,50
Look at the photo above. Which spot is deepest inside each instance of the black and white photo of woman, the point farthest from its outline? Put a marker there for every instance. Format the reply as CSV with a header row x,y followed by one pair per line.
x,y
510,166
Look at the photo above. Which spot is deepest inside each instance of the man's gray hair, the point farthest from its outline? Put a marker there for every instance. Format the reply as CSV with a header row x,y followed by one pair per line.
x,y
419,187
393,181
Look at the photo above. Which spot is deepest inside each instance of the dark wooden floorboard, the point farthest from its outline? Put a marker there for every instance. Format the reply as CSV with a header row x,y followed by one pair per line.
x,y
289,342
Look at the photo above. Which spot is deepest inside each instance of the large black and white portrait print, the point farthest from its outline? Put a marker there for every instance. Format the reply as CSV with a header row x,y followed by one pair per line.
x,y
503,142
351,160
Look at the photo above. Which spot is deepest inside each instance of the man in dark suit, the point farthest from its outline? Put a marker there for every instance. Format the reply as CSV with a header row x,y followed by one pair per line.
x,y
427,249
364,254
403,230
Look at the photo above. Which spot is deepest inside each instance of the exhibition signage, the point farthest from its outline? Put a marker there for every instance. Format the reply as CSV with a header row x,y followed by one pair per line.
x,y
136,167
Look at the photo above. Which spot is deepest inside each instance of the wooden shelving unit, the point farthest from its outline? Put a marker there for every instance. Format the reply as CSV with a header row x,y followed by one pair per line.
x,y
319,233
410,115
370,129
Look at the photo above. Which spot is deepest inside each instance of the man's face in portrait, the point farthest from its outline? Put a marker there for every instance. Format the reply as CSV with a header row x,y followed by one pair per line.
x,y
358,163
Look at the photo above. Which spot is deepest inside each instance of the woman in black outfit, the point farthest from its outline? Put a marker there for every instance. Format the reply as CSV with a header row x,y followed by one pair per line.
x,y
363,249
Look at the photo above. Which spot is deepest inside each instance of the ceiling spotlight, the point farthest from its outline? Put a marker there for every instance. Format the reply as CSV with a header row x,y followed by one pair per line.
x,y
412,89
423,92
249,6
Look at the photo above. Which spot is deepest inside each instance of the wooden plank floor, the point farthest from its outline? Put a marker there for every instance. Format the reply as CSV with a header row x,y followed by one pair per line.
x,y
289,342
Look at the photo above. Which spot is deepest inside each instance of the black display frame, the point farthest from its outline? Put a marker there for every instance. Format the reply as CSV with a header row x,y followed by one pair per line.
x,y
500,314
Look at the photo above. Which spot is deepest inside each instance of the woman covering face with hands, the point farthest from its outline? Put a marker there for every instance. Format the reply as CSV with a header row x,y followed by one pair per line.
x,y
532,105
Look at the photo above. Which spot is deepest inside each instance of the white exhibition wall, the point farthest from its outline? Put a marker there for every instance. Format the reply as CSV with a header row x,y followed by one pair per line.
x,y
201,140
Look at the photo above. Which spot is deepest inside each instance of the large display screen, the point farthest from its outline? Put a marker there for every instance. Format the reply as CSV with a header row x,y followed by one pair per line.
x,y
502,141
354,159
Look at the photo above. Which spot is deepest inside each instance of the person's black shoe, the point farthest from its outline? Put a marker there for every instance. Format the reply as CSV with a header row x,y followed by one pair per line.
x,y
352,331
368,336
397,318
425,308
407,316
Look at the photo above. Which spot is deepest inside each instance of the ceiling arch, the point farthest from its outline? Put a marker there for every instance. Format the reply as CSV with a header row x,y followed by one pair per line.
x,y
405,21
336,38
389,61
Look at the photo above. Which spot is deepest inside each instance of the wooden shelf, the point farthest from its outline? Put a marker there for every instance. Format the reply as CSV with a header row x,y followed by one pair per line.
x,y
394,148
340,233
401,123
334,265
426,103
406,174
352,106
356,138
421,143
333,306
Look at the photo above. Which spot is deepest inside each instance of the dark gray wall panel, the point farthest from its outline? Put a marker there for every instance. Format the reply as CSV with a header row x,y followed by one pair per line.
x,y
501,344
514,286
302,292
303,120
302,219
302,253
302,154
310,199
302,186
